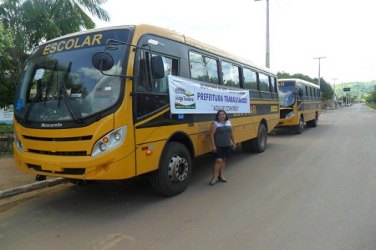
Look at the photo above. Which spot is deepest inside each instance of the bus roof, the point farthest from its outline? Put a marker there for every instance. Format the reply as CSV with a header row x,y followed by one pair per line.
x,y
301,81
173,35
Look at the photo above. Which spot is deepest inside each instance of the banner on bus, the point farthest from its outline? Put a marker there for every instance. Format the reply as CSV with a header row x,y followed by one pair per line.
x,y
188,96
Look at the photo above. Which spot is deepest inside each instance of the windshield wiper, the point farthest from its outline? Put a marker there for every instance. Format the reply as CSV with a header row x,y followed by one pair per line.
x,y
38,95
63,93
49,84
28,110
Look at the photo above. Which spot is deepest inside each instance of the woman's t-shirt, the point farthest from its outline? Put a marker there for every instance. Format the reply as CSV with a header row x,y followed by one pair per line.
x,y
222,135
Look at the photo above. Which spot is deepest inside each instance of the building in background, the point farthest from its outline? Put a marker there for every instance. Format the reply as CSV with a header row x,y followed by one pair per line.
x,y
6,115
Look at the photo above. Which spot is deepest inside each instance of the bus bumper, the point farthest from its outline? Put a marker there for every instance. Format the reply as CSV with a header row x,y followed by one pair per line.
x,y
105,167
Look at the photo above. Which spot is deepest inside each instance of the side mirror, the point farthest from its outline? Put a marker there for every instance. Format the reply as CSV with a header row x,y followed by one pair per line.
x,y
102,61
157,67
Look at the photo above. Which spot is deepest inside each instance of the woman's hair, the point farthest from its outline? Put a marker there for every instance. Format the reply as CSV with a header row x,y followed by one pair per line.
x,y
221,111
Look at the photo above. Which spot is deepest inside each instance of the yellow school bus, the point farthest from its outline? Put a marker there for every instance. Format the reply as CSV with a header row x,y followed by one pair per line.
x,y
95,105
300,104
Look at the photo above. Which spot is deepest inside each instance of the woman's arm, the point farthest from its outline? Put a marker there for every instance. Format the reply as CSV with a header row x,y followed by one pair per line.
x,y
212,130
233,144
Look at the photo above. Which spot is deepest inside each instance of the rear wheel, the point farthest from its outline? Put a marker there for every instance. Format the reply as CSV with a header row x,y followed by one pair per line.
x,y
313,123
299,128
174,171
258,144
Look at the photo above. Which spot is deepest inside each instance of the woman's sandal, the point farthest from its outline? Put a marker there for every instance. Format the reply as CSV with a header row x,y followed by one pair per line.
x,y
212,182
221,179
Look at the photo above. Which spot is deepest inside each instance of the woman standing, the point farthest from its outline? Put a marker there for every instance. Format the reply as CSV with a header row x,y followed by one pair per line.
x,y
222,140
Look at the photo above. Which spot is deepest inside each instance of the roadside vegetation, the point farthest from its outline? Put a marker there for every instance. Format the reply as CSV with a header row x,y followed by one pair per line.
x,y
372,105
371,99
6,139
25,24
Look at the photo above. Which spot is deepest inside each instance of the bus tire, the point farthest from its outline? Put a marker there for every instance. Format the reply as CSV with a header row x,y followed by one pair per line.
x,y
313,123
299,128
258,144
246,146
175,168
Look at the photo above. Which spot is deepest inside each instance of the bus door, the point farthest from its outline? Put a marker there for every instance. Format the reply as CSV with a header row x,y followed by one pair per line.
x,y
151,103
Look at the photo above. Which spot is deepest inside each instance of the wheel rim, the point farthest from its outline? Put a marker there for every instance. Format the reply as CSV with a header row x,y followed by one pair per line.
x,y
178,169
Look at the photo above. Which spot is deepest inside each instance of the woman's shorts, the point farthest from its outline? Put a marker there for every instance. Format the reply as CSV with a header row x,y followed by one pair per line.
x,y
222,152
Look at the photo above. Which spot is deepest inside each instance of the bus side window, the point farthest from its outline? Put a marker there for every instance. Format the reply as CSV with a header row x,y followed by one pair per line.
x,y
250,83
171,68
273,82
230,74
142,77
203,68
152,94
264,86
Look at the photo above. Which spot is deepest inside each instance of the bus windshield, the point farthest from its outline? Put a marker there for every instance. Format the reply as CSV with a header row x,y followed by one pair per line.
x,y
286,95
60,83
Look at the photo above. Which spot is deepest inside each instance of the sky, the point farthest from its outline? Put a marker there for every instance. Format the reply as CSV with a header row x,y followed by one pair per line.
x,y
342,31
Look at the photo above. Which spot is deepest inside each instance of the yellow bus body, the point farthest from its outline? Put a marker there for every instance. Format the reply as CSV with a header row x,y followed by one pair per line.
x,y
306,108
67,152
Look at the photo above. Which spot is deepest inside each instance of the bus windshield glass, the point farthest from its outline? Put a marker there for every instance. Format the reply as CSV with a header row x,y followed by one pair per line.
x,y
287,94
60,83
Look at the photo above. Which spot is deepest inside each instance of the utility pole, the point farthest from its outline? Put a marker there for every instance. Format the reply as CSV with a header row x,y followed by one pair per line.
x,y
334,82
267,53
335,96
319,58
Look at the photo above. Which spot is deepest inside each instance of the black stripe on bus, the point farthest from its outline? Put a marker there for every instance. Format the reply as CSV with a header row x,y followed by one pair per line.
x,y
168,119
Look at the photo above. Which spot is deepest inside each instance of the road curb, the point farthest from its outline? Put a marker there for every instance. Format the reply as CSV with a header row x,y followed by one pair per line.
x,y
30,187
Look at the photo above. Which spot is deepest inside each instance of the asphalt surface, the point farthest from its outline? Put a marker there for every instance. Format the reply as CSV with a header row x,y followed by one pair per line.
x,y
14,182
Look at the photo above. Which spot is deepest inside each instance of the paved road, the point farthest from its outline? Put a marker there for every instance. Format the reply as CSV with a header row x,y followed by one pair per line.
x,y
316,190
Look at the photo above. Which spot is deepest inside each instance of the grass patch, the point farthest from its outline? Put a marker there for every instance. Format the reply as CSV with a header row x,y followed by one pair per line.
x,y
372,105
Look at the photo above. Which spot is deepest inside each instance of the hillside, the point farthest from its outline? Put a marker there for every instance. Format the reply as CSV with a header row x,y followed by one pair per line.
x,y
357,89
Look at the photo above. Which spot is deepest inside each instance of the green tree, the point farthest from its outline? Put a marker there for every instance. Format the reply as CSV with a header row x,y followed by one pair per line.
x,y
326,89
49,19
7,67
372,95
297,75
32,22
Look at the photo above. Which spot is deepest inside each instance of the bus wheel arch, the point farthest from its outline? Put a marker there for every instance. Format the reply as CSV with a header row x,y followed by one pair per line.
x,y
175,166
258,144
313,123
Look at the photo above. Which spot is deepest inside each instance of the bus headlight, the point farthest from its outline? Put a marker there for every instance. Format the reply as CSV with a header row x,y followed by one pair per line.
x,y
290,115
18,143
110,141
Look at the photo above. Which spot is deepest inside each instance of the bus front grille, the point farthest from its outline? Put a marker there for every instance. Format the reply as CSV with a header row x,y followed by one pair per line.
x,y
60,153
78,138
58,146
71,171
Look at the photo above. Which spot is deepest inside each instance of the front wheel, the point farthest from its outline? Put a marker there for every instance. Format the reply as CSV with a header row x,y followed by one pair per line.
x,y
175,168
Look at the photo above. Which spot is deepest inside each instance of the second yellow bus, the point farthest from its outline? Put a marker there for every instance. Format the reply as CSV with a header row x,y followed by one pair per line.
x,y
300,104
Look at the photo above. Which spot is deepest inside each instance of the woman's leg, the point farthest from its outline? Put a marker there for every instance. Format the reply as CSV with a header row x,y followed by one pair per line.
x,y
216,170
222,170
